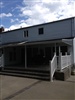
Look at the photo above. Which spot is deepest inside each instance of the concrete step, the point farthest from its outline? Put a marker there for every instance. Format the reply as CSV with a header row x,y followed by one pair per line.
x,y
63,75
44,75
26,75
32,72
73,70
26,69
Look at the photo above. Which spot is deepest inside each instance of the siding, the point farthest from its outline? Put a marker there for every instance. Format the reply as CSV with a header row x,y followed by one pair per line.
x,y
53,30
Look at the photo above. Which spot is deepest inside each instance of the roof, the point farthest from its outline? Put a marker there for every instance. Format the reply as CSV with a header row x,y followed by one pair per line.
x,y
38,25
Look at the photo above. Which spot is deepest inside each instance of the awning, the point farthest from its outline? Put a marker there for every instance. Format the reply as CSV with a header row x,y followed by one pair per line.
x,y
65,41
13,44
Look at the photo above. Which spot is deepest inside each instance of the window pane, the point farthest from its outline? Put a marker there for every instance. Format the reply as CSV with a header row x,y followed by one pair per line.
x,y
41,31
26,33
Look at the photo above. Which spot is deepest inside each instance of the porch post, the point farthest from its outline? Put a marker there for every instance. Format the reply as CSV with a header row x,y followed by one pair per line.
x,y
73,54
25,57
55,47
60,61
59,50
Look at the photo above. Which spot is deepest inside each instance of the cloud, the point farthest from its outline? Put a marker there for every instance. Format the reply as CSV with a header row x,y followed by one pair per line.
x,y
5,15
42,11
14,20
16,26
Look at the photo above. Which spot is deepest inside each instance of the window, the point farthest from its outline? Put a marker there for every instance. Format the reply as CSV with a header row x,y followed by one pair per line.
x,y
41,31
26,33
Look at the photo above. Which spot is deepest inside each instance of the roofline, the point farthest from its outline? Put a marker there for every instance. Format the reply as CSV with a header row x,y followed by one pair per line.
x,y
32,42
38,25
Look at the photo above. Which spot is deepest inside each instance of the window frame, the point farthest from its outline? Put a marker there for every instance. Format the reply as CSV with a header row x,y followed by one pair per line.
x,y
41,31
25,33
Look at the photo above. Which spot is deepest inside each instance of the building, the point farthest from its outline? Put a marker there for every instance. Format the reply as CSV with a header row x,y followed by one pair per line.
x,y
49,45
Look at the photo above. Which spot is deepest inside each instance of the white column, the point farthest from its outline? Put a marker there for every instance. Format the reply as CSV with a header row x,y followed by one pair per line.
x,y
59,50
55,47
25,57
60,62
70,51
74,51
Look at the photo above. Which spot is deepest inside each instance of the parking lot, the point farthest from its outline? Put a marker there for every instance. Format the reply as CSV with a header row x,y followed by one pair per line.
x,y
18,88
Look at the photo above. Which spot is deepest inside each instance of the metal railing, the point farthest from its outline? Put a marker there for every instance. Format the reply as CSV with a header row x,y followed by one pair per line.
x,y
53,66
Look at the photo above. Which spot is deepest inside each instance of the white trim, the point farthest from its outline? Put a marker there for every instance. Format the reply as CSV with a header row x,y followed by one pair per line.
x,y
74,51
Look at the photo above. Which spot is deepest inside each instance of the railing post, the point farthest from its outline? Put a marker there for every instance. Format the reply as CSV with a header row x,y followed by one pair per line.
x,y
60,61
56,62
66,59
51,79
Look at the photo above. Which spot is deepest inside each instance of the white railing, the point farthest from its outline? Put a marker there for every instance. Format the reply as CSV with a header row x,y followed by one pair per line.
x,y
53,66
64,61
1,61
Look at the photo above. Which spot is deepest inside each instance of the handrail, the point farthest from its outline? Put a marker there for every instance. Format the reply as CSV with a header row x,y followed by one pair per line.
x,y
53,66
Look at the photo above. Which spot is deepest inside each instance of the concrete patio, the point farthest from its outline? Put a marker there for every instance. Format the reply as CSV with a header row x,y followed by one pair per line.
x,y
18,88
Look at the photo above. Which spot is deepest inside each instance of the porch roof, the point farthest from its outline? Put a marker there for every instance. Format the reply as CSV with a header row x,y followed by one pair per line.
x,y
65,41
13,44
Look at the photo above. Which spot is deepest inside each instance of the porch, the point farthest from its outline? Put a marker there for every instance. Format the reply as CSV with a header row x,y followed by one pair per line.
x,y
45,72
33,54
43,56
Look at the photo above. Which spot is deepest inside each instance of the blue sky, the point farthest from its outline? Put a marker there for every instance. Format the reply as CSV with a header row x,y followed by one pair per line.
x,y
22,13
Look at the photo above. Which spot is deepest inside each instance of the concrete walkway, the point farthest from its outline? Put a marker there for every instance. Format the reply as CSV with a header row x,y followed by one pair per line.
x,y
17,88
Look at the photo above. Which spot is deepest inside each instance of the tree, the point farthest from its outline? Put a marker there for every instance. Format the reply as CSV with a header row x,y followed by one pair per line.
x,y
1,29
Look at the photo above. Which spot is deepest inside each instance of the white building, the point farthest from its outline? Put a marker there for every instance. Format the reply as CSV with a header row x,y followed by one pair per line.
x,y
37,45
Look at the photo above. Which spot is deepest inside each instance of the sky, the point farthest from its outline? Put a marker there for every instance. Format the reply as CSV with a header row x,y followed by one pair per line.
x,y
23,13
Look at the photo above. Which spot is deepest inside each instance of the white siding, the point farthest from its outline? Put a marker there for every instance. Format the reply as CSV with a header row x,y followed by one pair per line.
x,y
54,30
